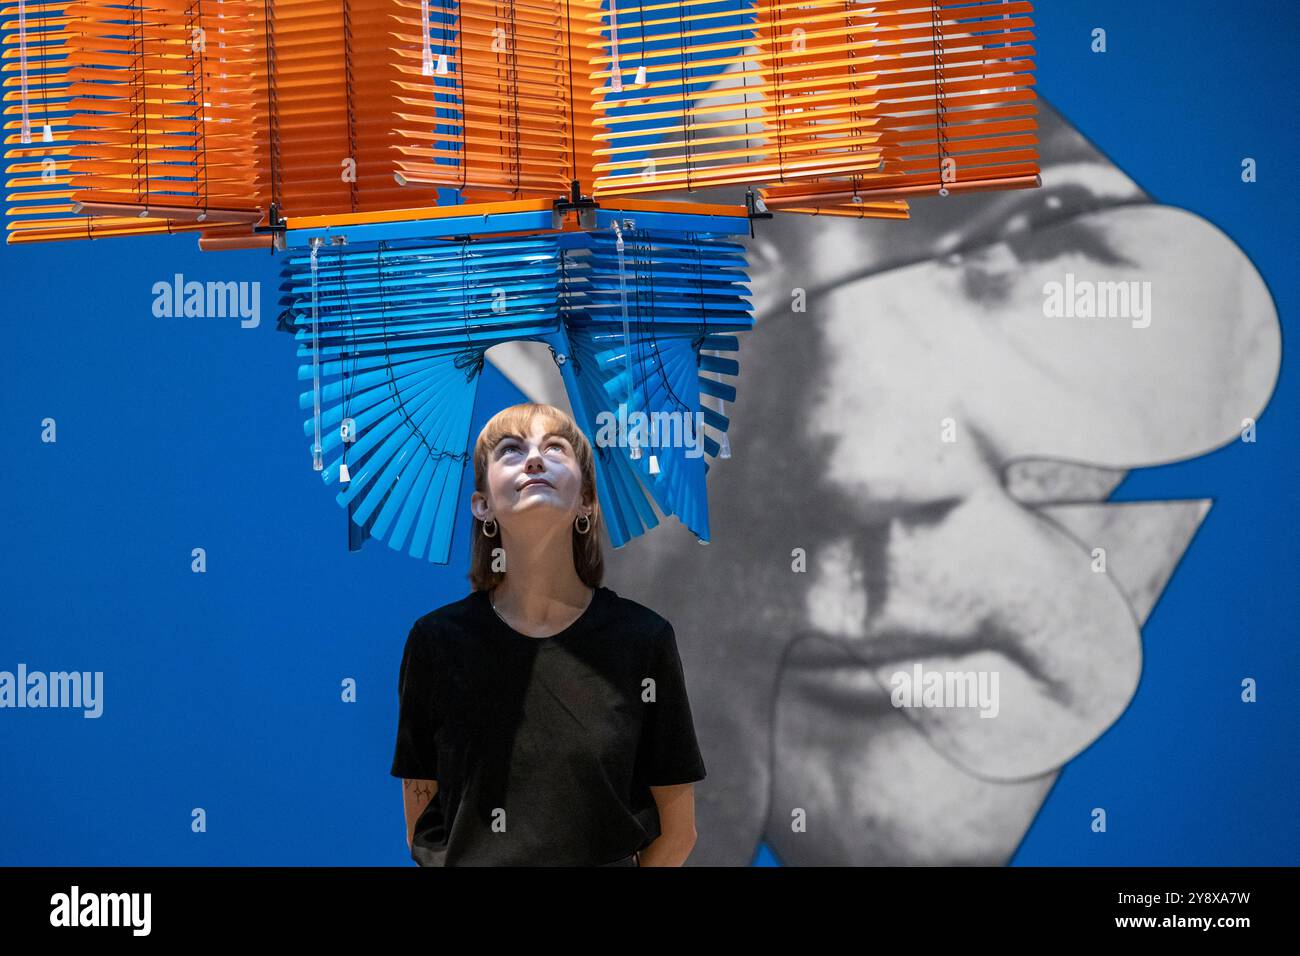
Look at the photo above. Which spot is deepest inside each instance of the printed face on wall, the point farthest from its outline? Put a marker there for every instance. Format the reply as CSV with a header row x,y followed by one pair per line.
x,y
916,504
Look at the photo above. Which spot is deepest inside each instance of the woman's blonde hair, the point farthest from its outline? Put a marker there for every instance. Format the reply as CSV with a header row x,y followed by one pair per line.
x,y
588,555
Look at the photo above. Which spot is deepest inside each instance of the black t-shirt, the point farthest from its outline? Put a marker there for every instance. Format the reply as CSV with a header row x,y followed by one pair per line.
x,y
543,747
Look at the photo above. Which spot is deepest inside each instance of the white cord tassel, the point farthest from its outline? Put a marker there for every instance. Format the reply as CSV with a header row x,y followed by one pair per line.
x,y
725,451
427,59
616,79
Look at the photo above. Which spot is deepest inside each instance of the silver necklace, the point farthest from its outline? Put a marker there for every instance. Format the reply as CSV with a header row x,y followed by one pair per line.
x,y
492,601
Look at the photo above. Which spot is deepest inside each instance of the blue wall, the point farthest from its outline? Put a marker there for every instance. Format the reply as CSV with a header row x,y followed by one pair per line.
x,y
223,688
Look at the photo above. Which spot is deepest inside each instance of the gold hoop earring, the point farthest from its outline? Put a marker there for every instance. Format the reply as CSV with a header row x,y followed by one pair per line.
x,y
493,532
586,524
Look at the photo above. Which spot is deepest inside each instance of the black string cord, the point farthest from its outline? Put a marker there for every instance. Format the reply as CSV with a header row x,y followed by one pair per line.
x,y
142,124
464,118
512,58
272,116
350,343
854,178
571,125
940,101
200,110
398,402
704,315
646,327
350,99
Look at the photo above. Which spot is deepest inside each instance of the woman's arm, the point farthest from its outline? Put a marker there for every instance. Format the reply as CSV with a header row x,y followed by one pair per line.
x,y
416,795
676,826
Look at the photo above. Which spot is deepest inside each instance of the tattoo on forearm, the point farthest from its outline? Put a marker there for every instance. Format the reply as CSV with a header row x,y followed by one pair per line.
x,y
422,789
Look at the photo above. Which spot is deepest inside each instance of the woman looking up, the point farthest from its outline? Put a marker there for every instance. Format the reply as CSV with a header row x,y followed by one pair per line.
x,y
543,719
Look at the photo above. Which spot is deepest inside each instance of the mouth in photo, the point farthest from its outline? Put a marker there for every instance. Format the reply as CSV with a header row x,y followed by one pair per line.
x,y
849,668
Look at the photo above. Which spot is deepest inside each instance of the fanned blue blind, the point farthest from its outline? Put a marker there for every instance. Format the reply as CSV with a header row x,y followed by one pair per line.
x,y
683,296
391,337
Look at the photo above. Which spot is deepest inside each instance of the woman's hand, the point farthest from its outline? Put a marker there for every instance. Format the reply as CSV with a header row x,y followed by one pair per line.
x,y
676,826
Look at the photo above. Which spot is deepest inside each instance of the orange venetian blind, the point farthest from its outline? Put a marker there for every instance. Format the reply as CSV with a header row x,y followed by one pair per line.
x,y
820,100
500,71
143,118
657,68
837,107
168,133
334,93
734,93
950,98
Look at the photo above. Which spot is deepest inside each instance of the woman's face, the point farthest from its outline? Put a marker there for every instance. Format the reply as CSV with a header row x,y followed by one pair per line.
x,y
532,478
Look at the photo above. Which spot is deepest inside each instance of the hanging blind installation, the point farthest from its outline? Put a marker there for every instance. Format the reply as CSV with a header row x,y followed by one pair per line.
x,y
37,144
333,98
952,98
647,313
488,102
836,107
167,130
392,337
664,121
127,124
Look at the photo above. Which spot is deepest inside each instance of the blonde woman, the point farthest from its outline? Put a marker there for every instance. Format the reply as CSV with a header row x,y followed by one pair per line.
x,y
543,719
